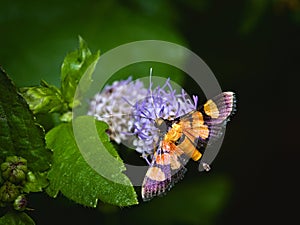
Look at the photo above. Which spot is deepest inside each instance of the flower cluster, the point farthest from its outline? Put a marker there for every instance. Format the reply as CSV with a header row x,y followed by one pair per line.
x,y
114,104
130,111
13,177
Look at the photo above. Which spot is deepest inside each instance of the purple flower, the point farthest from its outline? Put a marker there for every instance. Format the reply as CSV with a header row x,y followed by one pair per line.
x,y
162,102
130,111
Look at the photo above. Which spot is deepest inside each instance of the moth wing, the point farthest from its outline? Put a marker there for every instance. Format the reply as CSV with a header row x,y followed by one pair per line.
x,y
158,176
166,169
178,159
219,109
208,122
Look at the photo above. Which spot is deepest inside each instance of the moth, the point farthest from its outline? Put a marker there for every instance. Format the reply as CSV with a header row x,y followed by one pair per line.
x,y
183,138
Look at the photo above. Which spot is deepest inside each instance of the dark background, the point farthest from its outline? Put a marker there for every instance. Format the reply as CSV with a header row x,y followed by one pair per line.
x,y
252,47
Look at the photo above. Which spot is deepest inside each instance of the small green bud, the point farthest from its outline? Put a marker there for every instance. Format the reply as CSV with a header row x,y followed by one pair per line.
x,y
44,98
66,117
4,166
35,182
8,192
20,203
31,177
14,169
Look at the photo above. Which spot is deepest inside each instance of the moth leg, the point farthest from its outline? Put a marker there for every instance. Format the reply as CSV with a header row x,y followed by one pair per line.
x,y
145,157
204,166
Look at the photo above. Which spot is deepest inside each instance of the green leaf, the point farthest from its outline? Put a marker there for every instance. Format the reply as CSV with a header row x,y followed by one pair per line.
x,y
77,64
19,133
35,182
16,218
45,98
73,177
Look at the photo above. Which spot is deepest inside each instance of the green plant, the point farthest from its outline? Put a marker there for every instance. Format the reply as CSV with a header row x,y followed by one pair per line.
x,y
31,164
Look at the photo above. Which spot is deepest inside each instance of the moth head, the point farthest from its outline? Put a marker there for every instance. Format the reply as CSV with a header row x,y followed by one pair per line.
x,y
162,124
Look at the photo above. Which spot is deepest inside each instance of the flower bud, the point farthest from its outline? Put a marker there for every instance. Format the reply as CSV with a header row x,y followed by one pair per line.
x,y
14,169
20,203
8,192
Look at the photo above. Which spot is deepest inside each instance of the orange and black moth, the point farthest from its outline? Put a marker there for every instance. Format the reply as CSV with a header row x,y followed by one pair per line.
x,y
183,138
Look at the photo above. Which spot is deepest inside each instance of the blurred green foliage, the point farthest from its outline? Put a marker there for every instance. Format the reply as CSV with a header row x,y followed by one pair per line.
x,y
36,36
190,202
255,10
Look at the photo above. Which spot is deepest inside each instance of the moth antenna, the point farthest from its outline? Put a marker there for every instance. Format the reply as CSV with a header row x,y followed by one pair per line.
x,y
115,115
125,114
